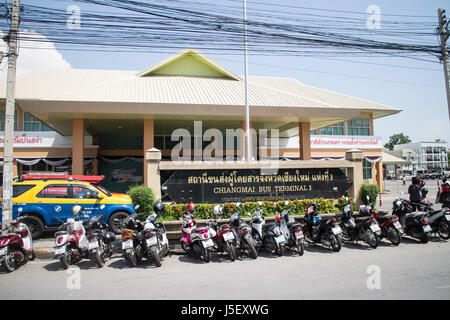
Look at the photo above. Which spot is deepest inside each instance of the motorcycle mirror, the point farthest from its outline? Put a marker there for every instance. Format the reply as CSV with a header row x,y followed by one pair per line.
x,y
286,202
260,203
136,207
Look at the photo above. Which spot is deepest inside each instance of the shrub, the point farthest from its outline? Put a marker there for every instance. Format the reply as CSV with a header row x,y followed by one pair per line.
x,y
298,207
144,197
370,190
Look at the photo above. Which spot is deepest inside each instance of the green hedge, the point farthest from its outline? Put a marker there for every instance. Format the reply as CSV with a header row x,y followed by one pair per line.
x,y
144,197
370,190
299,207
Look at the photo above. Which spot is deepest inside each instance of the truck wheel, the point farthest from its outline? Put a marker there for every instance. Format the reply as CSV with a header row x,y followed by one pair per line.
x,y
35,225
116,226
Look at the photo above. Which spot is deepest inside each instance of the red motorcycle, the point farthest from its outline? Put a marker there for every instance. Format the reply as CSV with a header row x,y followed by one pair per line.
x,y
16,247
391,227
224,241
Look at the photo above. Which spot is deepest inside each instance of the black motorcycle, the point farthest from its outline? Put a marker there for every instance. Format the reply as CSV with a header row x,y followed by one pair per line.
x,y
322,230
242,233
415,224
101,240
439,220
134,246
365,228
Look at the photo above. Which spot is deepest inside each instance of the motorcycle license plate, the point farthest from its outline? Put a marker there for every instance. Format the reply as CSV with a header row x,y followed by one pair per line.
x,y
208,243
427,228
93,245
60,250
447,217
336,230
397,225
152,241
280,239
3,251
299,235
228,236
127,244
375,228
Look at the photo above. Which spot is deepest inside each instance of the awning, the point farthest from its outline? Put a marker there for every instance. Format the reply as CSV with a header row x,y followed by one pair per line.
x,y
389,159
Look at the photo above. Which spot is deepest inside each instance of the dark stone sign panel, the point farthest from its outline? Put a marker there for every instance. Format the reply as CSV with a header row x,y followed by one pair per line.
x,y
248,185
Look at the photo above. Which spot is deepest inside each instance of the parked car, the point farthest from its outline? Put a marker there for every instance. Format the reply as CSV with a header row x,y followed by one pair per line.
x,y
47,202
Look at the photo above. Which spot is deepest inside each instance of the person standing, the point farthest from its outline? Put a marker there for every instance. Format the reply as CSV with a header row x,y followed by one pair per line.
x,y
414,192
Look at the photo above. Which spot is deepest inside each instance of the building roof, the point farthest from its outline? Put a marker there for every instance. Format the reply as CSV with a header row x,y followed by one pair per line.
x,y
391,159
185,85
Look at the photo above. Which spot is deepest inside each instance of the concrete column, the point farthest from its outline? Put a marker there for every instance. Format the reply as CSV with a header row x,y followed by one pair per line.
x,y
304,137
355,174
380,175
78,146
20,119
153,178
95,167
371,124
148,141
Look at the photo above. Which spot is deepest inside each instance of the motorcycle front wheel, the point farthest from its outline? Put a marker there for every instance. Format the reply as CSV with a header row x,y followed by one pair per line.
x,y
371,238
231,249
443,229
394,235
100,255
156,256
131,258
251,248
279,249
300,247
206,253
9,263
335,242
65,260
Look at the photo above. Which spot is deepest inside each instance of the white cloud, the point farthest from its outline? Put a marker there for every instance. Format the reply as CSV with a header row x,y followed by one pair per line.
x,y
37,54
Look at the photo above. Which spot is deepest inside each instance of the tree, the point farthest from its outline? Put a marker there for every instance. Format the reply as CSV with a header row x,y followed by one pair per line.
x,y
398,138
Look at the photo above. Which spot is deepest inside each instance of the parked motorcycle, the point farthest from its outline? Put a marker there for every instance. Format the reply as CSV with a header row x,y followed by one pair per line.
x,y
136,241
391,228
439,220
242,233
415,224
196,240
16,245
155,233
71,243
224,241
322,230
365,228
267,235
291,230
101,240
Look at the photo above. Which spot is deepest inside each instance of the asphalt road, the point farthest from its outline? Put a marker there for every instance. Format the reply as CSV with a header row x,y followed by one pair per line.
x,y
410,271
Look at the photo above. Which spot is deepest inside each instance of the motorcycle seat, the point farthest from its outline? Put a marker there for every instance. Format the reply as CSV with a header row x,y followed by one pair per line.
x,y
200,230
268,226
290,224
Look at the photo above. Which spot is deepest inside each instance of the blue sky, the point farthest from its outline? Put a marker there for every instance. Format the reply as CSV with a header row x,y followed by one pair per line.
x,y
419,93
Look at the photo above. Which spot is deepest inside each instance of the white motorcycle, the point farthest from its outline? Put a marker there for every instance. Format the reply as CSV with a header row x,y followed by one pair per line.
x,y
155,235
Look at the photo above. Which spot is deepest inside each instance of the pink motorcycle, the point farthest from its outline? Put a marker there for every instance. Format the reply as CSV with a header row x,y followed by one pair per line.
x,y
196,240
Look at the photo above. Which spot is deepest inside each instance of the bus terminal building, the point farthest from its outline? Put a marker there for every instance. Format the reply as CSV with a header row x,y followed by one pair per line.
x,y
124,124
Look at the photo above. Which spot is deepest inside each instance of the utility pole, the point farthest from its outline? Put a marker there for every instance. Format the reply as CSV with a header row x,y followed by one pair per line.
x,y
444,34
247,109
9,116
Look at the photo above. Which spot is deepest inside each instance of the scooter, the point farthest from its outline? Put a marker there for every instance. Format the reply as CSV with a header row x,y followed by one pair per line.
x,y
224,241
242,233
100,240
291,230
71,244
196,240
155,234
439,220
134,246
322,230
416,225
267,235
16,247
365,228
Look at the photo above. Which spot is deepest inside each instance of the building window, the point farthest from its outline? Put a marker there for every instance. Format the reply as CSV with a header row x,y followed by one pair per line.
x,y
334,130
2,120
30,123
367,170
359,127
